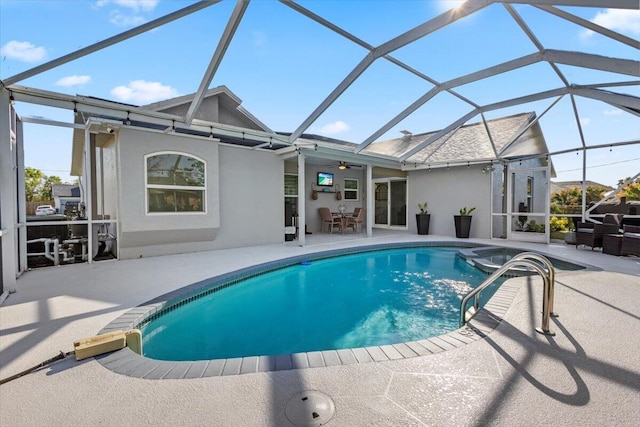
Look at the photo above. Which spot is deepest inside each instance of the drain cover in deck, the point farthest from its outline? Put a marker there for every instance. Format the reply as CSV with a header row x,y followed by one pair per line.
x,y
310,408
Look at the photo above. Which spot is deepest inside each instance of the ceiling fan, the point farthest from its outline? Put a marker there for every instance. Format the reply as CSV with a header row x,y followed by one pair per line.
x,y
344,165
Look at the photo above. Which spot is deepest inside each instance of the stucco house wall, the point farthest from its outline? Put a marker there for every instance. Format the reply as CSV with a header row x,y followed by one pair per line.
x,y
446,191
248,211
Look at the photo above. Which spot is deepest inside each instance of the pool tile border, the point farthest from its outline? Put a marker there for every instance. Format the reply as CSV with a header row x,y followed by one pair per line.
x,y
129,363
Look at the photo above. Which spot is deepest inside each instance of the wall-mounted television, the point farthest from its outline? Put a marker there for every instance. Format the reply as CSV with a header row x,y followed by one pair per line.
x,y
325,179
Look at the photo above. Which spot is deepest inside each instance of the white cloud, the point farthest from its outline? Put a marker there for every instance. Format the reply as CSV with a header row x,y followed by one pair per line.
x,y
73,81
143,92
23,51
623,21
584,121
135,5
335,127
120,20
612,112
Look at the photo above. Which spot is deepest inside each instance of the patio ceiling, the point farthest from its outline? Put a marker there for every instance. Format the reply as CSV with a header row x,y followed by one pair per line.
x,y
588,75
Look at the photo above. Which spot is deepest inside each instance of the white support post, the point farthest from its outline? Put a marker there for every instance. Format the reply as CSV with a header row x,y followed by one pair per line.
x,y
8,198
370,208
88,190
584,185
22,198
302,223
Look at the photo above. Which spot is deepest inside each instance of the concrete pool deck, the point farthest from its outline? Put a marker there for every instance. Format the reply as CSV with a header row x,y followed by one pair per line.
x,y
588,374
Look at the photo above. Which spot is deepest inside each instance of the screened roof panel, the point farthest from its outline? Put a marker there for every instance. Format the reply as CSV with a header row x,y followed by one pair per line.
x,y
300,67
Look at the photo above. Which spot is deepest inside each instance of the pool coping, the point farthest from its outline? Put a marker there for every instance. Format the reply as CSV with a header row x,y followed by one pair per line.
x,y
127,362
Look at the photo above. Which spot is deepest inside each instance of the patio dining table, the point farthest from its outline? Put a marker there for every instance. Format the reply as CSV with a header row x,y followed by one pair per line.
x,y
343,218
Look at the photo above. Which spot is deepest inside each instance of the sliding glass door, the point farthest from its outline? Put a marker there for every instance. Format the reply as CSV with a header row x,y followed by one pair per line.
x,y
390,203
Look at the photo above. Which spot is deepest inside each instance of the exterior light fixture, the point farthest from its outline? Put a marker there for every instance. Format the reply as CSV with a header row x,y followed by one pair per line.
x,y
75,108
270,143
11,98
127,121
211,132
342,166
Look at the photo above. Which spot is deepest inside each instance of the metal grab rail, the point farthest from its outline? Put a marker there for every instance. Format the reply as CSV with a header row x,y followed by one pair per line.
x,y
547,299
551,271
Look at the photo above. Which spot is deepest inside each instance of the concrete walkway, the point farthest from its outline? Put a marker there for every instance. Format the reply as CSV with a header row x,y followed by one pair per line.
x,y
587,375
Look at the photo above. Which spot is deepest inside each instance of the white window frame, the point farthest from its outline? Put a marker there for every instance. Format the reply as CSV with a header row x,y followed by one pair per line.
x,y
148,186
356,190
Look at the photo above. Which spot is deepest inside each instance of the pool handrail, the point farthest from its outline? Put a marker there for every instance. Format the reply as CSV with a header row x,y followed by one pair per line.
x,y
547,303
552,275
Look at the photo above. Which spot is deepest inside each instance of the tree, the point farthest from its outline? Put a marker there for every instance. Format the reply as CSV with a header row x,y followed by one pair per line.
x,y
38,186
631,191
32,180
46,191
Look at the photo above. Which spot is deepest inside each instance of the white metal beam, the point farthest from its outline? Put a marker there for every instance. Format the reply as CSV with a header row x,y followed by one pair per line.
x,y
486,128
496,106
461,121
459,81
528,126
440,21
591,26
596,62
525,99
398,118
121,111
611,98
410,36
366,45
523,25
612,4
344,84
577,118
216,59
110,41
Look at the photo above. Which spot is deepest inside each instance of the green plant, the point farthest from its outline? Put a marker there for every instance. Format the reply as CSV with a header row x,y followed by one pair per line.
x,y
534,227
423,208
466,212
559,223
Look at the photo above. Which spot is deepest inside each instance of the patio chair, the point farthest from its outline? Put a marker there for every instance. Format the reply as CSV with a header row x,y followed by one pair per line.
x,y
630,240
591,234
327,218
355,221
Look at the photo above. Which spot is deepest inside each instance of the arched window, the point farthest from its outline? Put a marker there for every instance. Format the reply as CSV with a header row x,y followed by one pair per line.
x,y
175,182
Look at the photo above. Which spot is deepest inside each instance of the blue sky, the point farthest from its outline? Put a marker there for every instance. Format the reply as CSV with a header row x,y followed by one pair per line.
x,y
282,65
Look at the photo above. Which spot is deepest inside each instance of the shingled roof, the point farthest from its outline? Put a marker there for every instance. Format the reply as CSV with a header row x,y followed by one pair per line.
x,y
503,138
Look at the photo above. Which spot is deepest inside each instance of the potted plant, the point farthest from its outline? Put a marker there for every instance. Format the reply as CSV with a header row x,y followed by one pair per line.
x,y
423,218
463,222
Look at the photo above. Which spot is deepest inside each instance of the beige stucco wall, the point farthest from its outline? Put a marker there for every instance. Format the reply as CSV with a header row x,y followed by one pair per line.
x,y
244,199
448,190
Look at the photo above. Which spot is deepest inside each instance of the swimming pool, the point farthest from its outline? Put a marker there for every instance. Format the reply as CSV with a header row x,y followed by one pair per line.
x,y
366,299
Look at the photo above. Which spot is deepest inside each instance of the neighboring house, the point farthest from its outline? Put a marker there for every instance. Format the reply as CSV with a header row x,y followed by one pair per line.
x,y
164,190
65,194
568,185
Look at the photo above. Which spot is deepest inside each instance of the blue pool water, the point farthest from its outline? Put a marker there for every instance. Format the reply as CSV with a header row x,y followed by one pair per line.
x,y
360,300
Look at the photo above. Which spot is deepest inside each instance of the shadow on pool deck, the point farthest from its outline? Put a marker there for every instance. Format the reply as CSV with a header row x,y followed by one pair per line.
x,y
585,375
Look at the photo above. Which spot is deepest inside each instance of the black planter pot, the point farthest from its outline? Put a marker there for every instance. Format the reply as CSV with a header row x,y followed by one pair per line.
x,y
463,225
422,221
